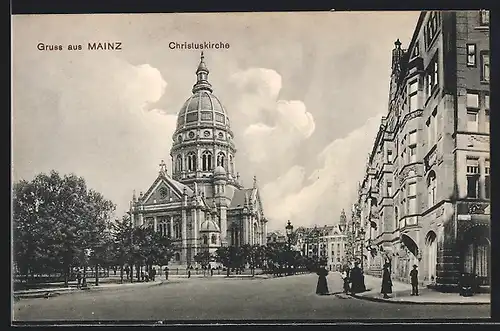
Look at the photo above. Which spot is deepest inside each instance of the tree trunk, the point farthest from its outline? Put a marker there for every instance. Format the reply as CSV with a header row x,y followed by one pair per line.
x,y
121,273
66,276
228,270
97,275
138,272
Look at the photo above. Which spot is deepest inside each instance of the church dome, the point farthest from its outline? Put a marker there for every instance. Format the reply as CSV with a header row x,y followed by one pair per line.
x,y
219,171
203,106
209,226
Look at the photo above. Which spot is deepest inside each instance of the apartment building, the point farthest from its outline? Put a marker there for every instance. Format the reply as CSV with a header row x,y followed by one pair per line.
x,y
424,198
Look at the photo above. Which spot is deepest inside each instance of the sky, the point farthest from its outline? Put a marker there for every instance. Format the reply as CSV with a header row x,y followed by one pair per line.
x,y
305,93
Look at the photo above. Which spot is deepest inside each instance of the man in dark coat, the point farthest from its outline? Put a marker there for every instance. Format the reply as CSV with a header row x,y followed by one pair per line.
x,y
357,279
166,273
322,286
414,280
386,281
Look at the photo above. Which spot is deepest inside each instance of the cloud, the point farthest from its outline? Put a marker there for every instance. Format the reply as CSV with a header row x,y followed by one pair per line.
x,y
331,187
272,128
296,114
96,127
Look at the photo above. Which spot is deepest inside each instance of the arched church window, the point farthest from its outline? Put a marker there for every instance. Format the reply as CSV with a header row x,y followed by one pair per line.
x,y
191,161
231,164
206,159
221,159
178,164
214,239
205,240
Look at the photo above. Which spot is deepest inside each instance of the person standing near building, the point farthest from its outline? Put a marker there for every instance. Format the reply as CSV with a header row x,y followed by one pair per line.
x,y
414,280
322,286
345,278
386,282
166,273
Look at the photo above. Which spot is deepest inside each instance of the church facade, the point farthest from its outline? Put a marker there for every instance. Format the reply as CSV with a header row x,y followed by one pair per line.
x,y
202,204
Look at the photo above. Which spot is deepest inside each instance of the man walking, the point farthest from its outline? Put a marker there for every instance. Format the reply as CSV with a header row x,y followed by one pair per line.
x,y
414,280
166,273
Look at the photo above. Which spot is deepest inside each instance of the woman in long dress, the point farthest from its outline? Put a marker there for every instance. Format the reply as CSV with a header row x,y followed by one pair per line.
x,y
322,286
386,282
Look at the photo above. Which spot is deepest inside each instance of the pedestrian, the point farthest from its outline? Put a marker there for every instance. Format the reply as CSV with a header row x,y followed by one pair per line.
x,y
166,273
78,278
356,279
189,273
322,286
211,272
386,281
153,274
127,271
142,275
414,280
345,278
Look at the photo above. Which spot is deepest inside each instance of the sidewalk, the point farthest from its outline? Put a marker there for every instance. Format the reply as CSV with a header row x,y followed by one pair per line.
x,y
401,293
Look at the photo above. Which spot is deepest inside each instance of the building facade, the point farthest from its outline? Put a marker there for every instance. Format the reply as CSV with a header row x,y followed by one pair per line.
x,y
327,243
425,196
202,204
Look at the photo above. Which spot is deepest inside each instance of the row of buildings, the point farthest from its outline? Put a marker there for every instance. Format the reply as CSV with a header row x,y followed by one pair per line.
x,y
328,242
425,195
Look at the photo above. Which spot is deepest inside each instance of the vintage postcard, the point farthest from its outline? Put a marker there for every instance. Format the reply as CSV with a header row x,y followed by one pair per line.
x,y
251,167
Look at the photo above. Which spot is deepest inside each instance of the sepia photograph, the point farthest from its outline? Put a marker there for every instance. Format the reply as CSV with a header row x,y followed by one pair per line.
x,y
273,166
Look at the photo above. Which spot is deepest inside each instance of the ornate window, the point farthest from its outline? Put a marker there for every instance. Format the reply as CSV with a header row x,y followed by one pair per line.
x,y
214,239
192,117
221,159
205,240
413,95
484,17
432,77
412,198
206,116
178,163
487,187
191,157
231,165
206,159
413,146
389,189
431,189
485,66
219,118
487,113
471,55
396,217
472,112
472,178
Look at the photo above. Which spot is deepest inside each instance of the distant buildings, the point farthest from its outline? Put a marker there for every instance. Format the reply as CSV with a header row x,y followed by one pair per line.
x,y
425,197
327,242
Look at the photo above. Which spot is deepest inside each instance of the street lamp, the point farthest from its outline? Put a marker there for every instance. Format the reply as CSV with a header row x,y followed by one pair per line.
x,y
289,231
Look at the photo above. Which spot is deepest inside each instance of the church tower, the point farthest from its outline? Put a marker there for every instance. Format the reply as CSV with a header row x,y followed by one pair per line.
x,y
203,138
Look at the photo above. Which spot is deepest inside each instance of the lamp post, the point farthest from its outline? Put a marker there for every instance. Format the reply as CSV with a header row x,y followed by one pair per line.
x,y
289,231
